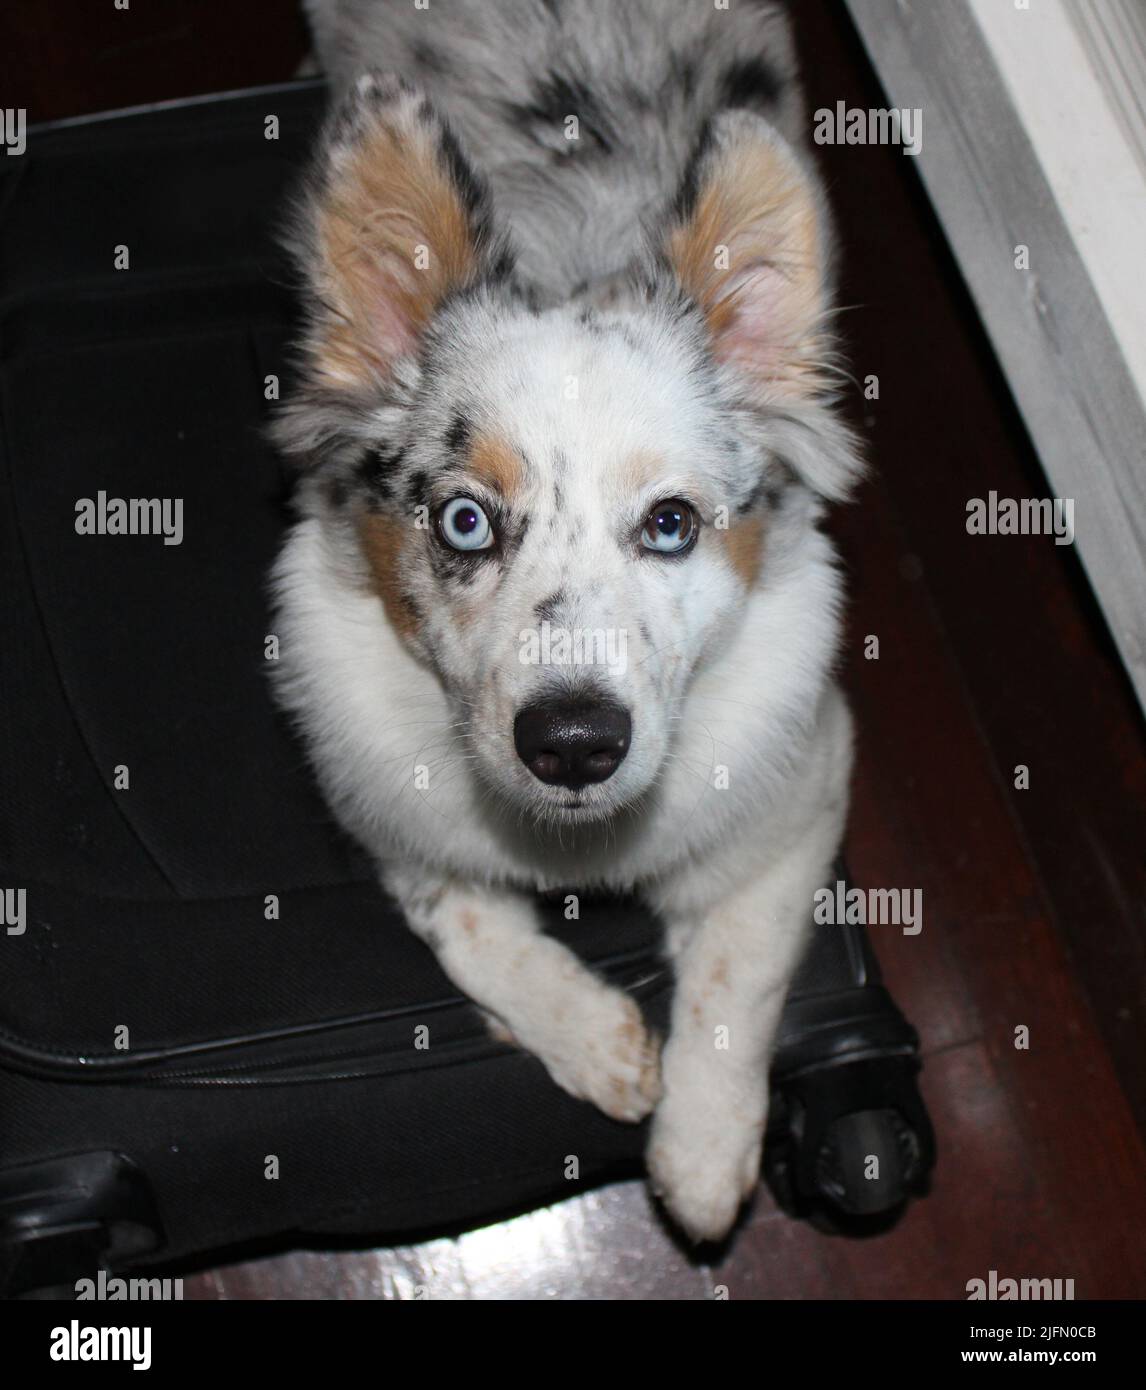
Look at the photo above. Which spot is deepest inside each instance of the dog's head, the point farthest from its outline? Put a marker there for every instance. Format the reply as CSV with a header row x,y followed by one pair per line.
x,y
563,509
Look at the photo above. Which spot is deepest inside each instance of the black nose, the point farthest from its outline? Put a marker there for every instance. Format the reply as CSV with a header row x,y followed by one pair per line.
x,y
571,745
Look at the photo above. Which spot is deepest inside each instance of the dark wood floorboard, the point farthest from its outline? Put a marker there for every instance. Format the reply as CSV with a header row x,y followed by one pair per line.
x,y
1013,611
992,653
74,57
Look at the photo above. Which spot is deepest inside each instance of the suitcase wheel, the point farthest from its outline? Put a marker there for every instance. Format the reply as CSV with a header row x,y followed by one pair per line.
x,y
849,1146
867,1162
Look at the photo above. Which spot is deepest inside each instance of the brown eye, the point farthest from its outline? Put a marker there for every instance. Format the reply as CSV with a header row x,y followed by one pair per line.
x,y
669,528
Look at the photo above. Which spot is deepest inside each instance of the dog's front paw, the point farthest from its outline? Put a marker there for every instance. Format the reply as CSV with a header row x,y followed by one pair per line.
x,y
703,1164
603,1053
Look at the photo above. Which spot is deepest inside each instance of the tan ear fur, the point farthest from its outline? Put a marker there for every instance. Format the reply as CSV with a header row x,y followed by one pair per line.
x,y
392,235
750,251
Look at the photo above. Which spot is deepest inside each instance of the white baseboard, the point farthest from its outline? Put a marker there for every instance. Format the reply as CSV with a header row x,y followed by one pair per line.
x,y
1034,134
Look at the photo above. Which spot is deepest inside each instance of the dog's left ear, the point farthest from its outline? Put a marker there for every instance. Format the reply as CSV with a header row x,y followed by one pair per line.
x,y
395,221
749,245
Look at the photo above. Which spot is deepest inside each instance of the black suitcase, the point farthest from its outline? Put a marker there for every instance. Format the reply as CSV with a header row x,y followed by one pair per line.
x,y
214,1028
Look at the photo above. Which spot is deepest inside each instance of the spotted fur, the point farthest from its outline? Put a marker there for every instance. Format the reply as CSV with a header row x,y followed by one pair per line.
x,y
568,337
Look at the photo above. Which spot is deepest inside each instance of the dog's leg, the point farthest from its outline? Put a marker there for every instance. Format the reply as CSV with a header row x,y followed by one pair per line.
x,y
733,968
590,1036
734,961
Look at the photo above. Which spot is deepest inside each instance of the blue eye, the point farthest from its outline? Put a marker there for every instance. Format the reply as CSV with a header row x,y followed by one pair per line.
x,y
464,526
669,527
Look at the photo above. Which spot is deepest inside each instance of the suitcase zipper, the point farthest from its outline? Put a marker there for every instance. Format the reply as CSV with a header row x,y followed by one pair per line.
x,y
281,1056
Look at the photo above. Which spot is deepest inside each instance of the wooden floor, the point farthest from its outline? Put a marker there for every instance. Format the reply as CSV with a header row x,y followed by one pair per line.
x,y
991,656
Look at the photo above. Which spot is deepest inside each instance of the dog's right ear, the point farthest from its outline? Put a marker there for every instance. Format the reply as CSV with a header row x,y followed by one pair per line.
x,y
394,221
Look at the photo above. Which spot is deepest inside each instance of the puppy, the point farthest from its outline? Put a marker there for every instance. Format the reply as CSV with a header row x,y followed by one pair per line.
x,y
567,371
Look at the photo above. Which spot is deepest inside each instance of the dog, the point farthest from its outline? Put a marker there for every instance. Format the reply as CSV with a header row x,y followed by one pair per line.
x,y
567,365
